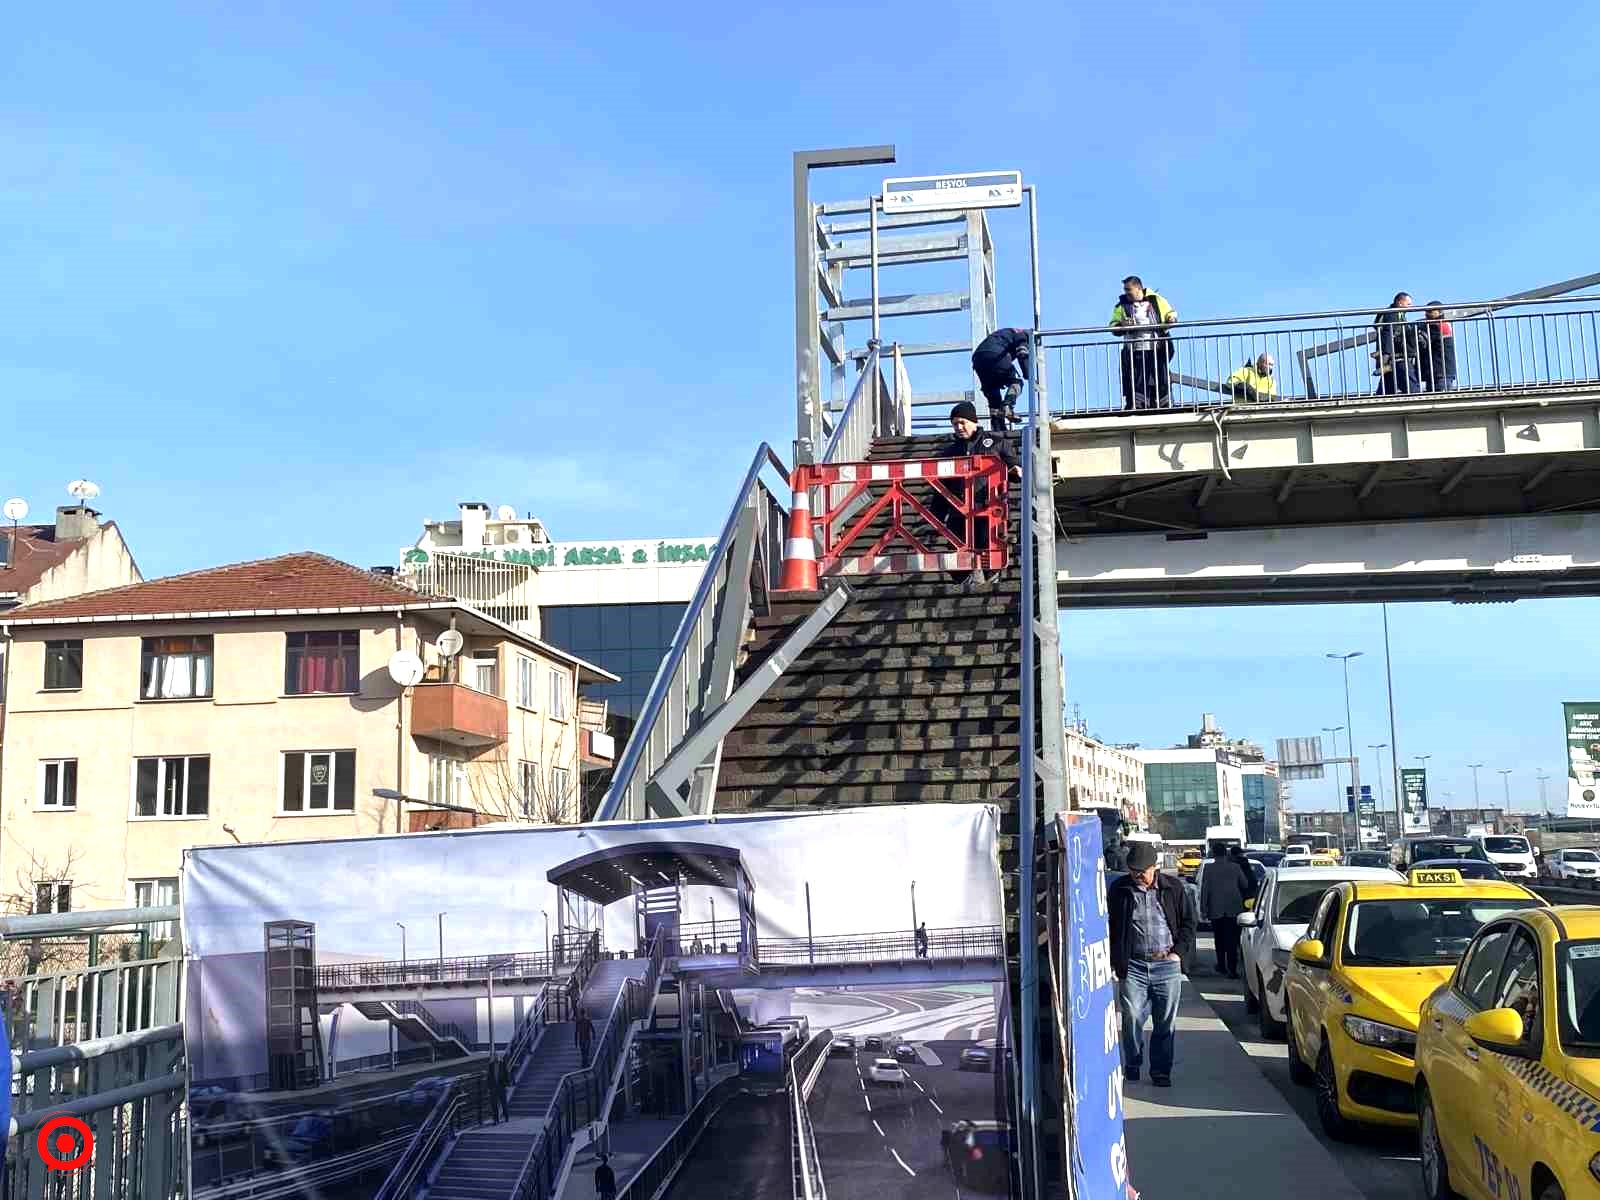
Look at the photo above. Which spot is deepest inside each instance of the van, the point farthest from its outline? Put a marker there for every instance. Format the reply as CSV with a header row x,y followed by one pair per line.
x,y
1511,853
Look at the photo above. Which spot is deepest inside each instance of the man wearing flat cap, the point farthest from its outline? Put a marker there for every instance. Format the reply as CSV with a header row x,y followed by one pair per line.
x,y
1152,931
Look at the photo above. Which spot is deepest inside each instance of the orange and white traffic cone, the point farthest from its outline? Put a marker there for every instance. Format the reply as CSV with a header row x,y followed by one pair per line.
x,y
799,550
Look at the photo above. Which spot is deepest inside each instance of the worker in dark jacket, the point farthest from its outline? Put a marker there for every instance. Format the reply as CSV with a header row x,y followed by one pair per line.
x,y
1438,350
1398,350
967,441
1139,318
996,362
1152,929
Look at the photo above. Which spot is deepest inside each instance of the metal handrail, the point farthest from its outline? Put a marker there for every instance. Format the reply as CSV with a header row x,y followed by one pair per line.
x,y
441,1121
463,969
979,941
632,769
441,1029
862,415
804,1169
662,1166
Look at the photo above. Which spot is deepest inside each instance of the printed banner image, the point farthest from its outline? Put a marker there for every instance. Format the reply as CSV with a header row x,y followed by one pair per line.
x,y
723,1006
1583,758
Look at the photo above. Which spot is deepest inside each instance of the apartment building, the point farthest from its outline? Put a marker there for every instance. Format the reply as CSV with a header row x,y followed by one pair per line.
x,y
1105,776
255,702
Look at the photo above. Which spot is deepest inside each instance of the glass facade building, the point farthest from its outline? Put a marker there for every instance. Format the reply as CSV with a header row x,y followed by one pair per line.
x,y
1262,808
1183,798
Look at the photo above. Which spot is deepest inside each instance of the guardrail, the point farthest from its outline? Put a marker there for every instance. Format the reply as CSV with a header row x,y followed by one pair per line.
x,y
698,672
984,942
473,968
1332,358
805,1169
1568,891
129,1090
875,409
458,1108
655,1176
80,1003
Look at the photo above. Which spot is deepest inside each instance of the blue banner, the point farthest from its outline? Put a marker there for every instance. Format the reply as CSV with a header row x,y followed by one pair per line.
x,y
1094,1134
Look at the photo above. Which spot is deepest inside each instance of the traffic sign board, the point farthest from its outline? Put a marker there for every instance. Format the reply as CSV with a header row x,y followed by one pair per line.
x,y
976,189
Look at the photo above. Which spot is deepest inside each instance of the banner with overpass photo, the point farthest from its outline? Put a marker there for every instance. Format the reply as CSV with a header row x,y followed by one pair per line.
x,y
763,1006
1583,758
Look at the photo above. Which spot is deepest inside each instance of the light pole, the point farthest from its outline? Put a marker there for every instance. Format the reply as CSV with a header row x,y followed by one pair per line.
x,y
1394,740
1543,775
402,946
1349,724
1338,771
442,916
913,906
1476,802
1505,778
1383,801
543,913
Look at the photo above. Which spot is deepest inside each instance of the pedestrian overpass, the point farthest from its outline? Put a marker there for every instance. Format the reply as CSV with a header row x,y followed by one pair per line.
x,y
1489,491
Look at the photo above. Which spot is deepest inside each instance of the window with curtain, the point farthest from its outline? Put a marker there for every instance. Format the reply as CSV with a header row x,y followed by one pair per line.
x,y
319,781
172,787
527,687
52,897
484,672
175,668
528,785
560,785
58,783
558,695
320,664
446,780
63,665
157,893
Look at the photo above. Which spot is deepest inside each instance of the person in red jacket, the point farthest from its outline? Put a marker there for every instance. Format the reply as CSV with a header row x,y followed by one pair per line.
x,y
1438,350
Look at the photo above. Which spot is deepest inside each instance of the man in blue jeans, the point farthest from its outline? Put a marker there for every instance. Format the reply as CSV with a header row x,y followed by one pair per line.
x,y
1152,931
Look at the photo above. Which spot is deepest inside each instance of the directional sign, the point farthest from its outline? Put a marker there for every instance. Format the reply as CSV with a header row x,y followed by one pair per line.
x,y
978,189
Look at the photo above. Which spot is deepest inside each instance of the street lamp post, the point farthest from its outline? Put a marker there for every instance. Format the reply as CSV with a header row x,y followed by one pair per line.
x,y
1338,771
1505,778
913,906
1543,775
1394,738
1383,801
1349,724
402,946
442,916
546,915
1476,802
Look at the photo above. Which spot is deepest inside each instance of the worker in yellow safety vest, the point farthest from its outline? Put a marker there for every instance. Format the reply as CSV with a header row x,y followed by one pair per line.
x,y
1139,318
1254,381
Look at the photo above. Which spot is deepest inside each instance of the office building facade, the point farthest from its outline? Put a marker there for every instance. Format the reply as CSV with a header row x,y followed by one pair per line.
x,y
1189,791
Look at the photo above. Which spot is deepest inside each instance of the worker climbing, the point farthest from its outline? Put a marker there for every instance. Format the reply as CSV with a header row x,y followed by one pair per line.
x,y
996,362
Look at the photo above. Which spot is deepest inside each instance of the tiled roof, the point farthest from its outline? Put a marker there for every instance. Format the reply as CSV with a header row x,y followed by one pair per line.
x,y
291,581
35,552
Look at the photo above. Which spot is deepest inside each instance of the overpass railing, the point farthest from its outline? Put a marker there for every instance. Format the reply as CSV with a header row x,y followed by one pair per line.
x,y
805,1168
1332,358
875,409
980,943
476,968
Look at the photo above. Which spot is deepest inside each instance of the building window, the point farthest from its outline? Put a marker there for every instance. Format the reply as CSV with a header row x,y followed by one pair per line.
x,y
157,893
446,780
485,672
58,783
527,676
172,787
319,781
558,695
175,668
54,896
320,664
63,665
560,783
528,785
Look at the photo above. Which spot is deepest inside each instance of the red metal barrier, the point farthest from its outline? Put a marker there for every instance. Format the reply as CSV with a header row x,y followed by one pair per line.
x,y
945,514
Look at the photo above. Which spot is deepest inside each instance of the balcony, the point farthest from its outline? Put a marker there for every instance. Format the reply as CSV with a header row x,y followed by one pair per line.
x,y
455,713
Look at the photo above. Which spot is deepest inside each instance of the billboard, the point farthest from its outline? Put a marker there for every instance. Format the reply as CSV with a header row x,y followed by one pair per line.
x,y
1414,799
1099,1158
1583,758
371,1013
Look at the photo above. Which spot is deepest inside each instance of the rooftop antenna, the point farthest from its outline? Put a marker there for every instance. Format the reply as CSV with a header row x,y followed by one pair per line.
x,y
15,509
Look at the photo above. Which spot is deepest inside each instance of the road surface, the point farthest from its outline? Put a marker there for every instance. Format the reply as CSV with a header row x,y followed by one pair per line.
x,y
744,1153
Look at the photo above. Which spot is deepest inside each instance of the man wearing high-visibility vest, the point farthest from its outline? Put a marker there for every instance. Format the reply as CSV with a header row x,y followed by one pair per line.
x,y
1140,318
1253,381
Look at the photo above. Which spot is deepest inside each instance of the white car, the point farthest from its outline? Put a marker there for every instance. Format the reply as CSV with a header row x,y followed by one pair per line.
x,y
1574,863
1288,898
887,1072
1511,853
1298,855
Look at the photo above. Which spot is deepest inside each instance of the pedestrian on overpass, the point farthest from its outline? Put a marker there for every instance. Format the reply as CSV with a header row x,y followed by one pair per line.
x,y
1152,929
1398,349
996,362
499,1081
1223,891
605,1180
1139,318
922,940
1253,382
585,1032
969,440
1438,350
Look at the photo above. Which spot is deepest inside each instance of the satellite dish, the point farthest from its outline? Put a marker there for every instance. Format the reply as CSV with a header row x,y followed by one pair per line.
x,y
16,508
405,668
506,513
450,643
84,489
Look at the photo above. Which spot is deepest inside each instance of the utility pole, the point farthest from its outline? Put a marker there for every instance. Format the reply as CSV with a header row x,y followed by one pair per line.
x,y
1394,740
1476,802
1542,803
1505,778
1350,725
1383,802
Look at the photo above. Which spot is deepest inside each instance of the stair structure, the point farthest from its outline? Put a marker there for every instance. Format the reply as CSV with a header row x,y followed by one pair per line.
x,y
908,696
413,1018
485,1163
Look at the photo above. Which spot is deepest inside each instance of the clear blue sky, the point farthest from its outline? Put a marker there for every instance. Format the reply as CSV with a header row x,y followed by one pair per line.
x,y
283,277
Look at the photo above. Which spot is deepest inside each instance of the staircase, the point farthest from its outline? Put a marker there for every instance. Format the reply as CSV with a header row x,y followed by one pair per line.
x,y
413,1019
484,1164
909,696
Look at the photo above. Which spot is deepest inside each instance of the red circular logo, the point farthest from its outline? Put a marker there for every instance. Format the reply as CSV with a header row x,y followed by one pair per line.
x,y
56,1149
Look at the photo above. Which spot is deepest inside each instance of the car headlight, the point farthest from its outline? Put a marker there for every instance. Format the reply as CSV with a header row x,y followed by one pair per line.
x,y
1386,1037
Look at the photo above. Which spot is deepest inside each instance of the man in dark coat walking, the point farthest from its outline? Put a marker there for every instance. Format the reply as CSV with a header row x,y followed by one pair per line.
x,y
1223,891
996,362
585,1032
605,1180
1152,929
499,1081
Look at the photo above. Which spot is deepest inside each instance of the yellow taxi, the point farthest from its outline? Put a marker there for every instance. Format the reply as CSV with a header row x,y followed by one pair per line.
x,y
1372,953
1508,1063
1324,858
1189,862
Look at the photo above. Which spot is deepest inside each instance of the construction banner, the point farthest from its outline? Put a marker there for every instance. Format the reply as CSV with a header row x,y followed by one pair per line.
x,y
1583,758
535,1010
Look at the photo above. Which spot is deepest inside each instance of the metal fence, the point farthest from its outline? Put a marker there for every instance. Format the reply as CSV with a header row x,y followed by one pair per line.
x,y
1341,357
805,1168
980,943
467,969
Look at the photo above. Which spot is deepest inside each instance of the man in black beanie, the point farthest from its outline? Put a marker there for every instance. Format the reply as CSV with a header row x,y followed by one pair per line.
x,y
967,441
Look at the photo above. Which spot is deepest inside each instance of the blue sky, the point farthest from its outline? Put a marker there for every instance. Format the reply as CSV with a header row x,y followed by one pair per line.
x,y
293,276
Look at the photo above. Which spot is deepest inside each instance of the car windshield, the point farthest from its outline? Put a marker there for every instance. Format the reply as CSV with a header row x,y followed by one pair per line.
x,y
1580,856
1506,845
1426,851
1419,933
1578,965
1297,900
